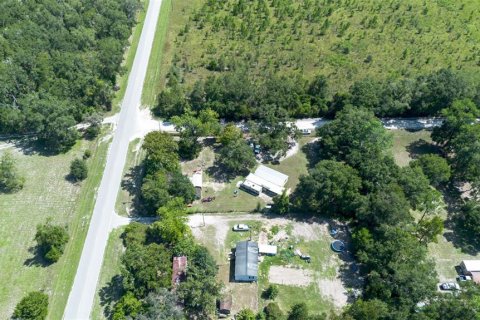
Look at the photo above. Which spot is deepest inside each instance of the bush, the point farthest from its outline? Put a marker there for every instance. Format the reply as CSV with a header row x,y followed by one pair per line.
x,y
34,306
10,180
245,314
87,154
51,241
272,312
271,292
78,170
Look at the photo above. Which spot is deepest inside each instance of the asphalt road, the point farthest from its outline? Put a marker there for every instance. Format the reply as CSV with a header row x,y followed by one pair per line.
x,y
80,300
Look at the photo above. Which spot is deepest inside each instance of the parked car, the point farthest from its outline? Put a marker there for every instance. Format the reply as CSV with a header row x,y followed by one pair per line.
x,y
464,278
449,286
240,227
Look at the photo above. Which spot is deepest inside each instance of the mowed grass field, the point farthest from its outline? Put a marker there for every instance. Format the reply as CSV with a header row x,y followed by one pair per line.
x,y
343,40
47,194
107,289
161,43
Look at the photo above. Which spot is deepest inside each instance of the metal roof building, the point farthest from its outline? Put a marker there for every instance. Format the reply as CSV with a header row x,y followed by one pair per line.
x,y
270,181
246,261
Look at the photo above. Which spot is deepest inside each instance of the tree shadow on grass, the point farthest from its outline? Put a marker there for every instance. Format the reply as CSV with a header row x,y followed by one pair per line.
x,y
110,294
37,259
455,230
312,151
421,147
221,174
132,184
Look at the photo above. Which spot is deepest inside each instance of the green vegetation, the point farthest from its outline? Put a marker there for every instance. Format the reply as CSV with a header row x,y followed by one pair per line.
x,y
78,170
51,241
147,270
160,43
46,193
10,179
33,307
289,36
129,56
163,180
77,56
107,288
238,57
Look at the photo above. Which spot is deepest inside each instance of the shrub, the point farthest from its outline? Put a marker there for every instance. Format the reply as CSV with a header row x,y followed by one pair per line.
x,y
78,170
34,306
87,154
271,292
51,241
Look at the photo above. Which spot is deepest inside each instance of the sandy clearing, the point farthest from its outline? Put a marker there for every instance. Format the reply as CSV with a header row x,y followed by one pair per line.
x,y
333,289
289,276
310,231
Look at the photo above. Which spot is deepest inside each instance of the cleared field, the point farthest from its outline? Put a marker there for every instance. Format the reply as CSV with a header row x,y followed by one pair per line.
x,y
108,288
335,38
46,194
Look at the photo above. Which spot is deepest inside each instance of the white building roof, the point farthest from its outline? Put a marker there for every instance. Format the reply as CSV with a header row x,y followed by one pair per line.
x,y
272,176
471,265
252,185
197,179
267,249
256,180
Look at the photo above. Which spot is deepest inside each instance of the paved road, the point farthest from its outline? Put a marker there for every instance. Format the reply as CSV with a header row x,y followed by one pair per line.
x,y
80,300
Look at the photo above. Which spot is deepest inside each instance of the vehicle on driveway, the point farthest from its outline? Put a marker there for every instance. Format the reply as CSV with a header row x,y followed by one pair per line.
x,y
240,227
449,286
464,278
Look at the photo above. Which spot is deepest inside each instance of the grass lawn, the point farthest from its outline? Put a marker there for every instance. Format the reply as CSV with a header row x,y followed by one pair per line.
x,y
409,144
161,42
107,292
46,194
128,58
225,199
130,182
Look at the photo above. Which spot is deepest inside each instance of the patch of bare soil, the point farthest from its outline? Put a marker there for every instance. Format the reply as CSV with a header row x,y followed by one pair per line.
x,y
333,289
289,276
310,231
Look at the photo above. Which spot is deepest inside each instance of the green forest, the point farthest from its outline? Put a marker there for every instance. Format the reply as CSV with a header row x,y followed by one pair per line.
x,y
398,58
58,64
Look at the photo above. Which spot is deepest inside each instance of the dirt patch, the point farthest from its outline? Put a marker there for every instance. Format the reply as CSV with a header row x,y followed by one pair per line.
x,y
310,231
289,276
333,289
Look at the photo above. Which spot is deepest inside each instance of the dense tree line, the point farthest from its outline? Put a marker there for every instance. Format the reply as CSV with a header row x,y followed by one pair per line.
x,y
357,179
163,179
147,271
237,95
58,64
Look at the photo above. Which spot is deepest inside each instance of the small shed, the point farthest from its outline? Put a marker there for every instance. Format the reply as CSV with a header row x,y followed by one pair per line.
x,y
197,181
246,261
179,270
267,250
